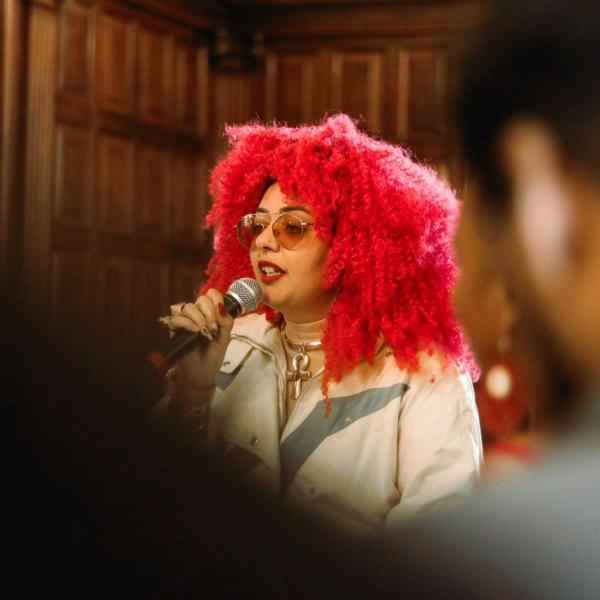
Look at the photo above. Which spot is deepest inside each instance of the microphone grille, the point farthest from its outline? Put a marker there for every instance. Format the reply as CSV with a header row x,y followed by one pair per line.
x,y
248,292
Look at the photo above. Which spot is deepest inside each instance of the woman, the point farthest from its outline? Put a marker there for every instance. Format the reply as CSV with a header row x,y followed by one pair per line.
x,y
347,391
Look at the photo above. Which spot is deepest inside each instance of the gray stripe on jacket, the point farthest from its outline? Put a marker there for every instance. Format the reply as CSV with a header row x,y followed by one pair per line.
x,y
345,410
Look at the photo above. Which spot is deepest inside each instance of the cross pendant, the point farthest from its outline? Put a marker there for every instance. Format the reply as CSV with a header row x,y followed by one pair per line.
x,y
299,372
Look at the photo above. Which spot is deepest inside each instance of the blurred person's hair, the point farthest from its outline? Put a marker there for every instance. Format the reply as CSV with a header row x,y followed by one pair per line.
x,y
538,60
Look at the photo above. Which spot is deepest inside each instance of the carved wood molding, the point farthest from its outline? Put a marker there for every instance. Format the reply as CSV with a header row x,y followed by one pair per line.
x,y
51,4
206,15
39,162
284,22
11,113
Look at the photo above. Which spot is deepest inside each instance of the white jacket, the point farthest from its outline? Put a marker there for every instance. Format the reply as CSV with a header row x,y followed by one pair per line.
x,y
395,442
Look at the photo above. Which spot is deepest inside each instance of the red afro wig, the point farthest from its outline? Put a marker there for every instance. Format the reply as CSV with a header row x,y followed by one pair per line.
x,y
388,222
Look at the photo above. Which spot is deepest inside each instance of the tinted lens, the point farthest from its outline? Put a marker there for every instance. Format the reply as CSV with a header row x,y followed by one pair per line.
x,y
250,227
289,230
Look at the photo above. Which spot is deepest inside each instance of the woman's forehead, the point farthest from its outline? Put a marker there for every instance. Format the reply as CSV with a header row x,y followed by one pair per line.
x,y
274,200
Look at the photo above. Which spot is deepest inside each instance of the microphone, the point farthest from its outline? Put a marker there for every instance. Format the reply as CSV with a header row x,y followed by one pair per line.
x,y
243,296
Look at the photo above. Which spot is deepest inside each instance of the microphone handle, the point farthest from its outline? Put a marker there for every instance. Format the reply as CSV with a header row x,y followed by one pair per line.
x,y
181,344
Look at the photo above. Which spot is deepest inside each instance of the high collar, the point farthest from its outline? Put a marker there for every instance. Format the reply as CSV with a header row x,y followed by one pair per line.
x,y
299,333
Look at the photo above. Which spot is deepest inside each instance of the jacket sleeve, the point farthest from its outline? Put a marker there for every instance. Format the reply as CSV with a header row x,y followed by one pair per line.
x,y
439,443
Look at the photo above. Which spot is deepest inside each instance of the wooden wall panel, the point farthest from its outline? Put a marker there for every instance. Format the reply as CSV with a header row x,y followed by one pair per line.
x,y
427,93
74,176
39,161
151,198
72,295
185,281
150,299
12,74
114,297
189,198
231,103
388,65
75,50
290,87
191,83
115,62
114,183
356,86
155,76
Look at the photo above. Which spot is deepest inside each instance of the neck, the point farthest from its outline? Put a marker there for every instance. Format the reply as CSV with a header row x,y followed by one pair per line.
x,y
300,333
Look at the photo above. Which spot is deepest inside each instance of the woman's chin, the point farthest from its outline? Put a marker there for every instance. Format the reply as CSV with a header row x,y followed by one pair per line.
x,y
268,300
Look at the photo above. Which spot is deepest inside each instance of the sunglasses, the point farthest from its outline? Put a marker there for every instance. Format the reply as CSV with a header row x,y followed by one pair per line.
x,y
289,229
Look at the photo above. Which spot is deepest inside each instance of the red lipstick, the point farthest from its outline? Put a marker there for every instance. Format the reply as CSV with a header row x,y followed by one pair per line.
x,y
269,272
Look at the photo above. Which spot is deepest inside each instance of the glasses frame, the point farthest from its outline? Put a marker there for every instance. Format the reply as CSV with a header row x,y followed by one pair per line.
x,y
272,220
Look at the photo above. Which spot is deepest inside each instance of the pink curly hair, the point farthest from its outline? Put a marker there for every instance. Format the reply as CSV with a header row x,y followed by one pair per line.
x,y
388,222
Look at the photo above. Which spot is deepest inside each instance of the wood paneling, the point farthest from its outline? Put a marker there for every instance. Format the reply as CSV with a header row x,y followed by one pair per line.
x,y
189,198
185,281
115,62
231,103
151,198
355,86
427,93
71,290
74,184
387,64
75,50
39,161
191,83
155,72
367,20
290,87
11,141
114,297
114,183
150,298
116,164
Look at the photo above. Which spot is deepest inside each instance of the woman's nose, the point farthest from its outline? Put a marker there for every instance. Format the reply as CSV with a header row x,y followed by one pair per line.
x,y
266,240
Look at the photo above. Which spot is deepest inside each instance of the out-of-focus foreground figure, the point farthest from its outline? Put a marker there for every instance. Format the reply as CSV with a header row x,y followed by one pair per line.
x,y
529,116
530,119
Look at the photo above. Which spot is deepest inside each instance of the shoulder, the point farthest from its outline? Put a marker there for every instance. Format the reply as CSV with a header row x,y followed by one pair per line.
x,y
384,371
437,370
441,386
434,369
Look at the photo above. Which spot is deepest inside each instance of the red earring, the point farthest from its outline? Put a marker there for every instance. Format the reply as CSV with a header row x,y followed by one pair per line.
x,y
501,396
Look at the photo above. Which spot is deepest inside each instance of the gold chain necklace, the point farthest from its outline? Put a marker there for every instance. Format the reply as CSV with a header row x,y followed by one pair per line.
x,y
299,373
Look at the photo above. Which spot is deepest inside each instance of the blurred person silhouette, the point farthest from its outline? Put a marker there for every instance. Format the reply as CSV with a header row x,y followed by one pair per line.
x,y
336,395
515,419
106,503
529,118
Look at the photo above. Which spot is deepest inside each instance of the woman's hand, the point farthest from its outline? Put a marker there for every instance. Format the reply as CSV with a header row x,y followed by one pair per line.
x,y
208,317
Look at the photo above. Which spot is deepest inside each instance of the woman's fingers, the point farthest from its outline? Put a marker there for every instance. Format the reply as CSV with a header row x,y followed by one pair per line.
x,y
207,315
205,307
223,318
184,315
192,312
